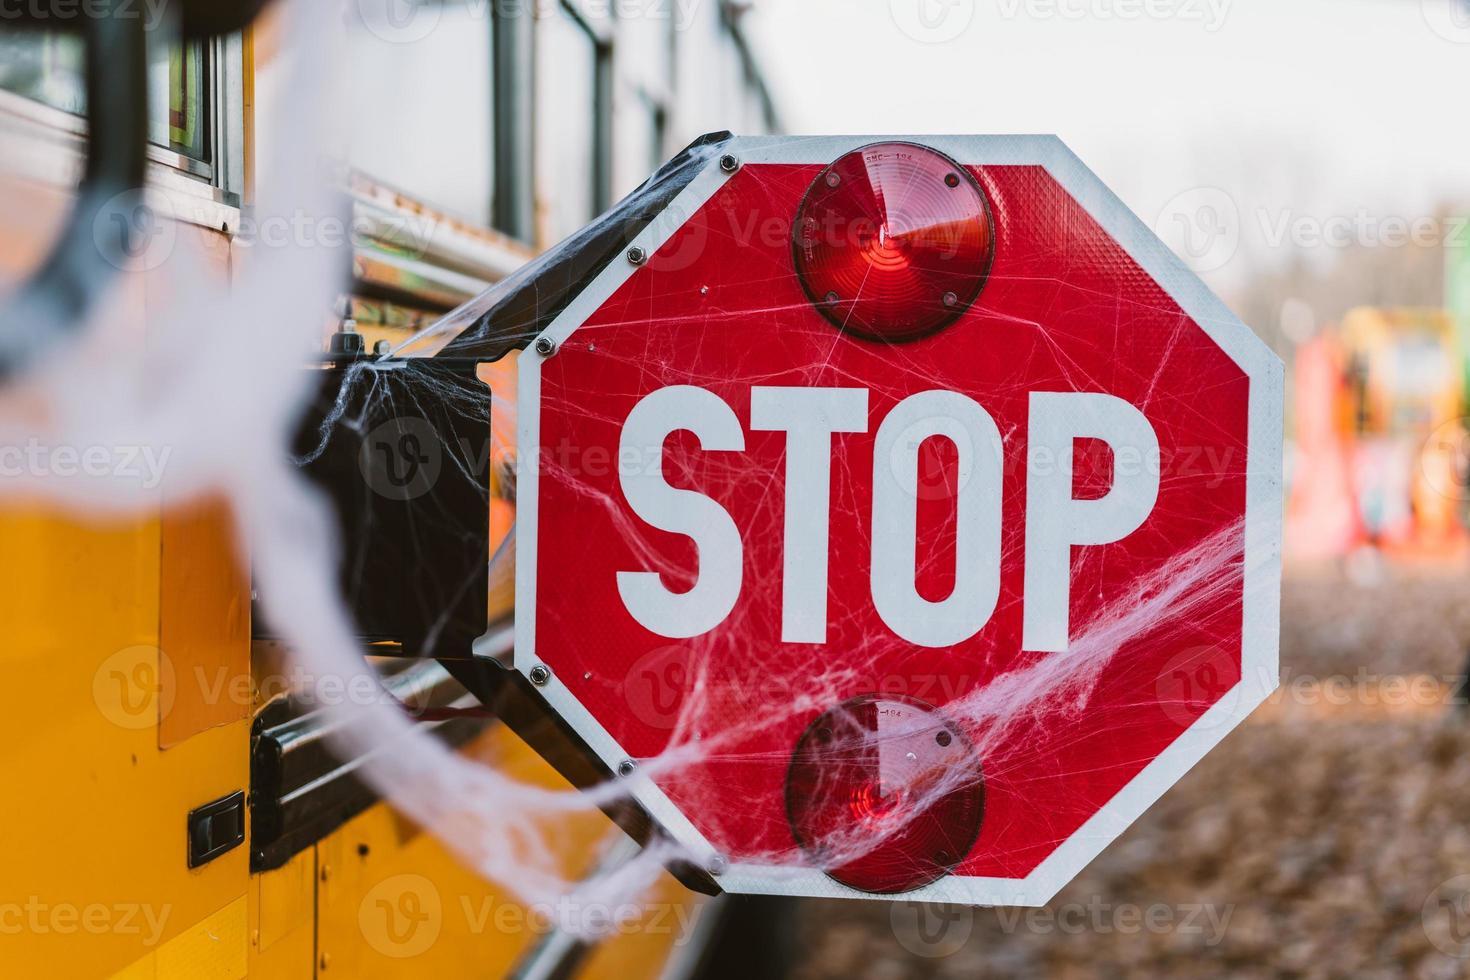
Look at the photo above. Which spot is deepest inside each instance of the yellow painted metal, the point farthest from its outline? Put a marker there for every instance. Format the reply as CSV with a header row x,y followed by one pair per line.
x,y
204,622
95,876
283,919
666,922
100,884
393,902
212,949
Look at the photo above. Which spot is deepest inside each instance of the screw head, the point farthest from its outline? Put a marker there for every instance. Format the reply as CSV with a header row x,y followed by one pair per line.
x,y
831,299
729,163
540,675
718,865
950,299
545,346
832,179
626,768
637,255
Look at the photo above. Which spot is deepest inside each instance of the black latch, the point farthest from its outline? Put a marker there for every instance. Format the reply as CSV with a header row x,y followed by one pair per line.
x,y
301,789
216,828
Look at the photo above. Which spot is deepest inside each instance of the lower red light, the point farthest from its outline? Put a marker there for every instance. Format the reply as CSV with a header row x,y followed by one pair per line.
x,y
893,241
885,794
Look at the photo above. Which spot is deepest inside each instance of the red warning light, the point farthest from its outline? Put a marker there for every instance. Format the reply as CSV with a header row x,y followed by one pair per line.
x,y
893,241
885,794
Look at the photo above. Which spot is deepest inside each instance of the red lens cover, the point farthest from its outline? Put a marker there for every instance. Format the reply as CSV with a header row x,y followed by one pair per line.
x,y
885,794
893,241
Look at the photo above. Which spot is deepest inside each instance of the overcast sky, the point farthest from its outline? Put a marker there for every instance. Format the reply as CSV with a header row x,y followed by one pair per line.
x,y
1296,109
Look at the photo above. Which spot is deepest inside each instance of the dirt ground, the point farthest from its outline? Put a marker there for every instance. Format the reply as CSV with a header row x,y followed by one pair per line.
x,y
1325,838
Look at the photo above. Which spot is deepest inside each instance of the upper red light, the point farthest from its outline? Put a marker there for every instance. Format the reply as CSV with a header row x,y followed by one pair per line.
x,y
884,794
893,241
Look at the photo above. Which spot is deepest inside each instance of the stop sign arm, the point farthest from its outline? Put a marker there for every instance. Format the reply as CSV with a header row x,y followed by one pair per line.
x,y
1102,283
515,704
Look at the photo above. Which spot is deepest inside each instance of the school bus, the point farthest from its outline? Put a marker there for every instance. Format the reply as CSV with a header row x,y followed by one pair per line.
x,y
171,809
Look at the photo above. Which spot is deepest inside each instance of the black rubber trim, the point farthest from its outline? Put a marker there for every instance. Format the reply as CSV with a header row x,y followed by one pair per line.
x,y
301,790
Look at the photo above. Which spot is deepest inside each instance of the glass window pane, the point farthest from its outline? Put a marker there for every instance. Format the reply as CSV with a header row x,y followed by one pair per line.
x,y
44,67
422,117
176,90
49,69
571,101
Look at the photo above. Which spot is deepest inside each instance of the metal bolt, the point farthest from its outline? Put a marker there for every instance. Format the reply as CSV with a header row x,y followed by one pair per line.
x,y
944,738
832,297
540,675
950,299
545,346
626,768
382,348
718,864
637,255
952,180
832,178
729,163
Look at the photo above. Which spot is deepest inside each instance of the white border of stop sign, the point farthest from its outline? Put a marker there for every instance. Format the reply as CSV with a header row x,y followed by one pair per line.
x,y
1262,530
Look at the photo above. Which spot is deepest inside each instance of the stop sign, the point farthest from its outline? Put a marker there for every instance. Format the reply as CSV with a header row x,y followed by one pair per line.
x,y
898,516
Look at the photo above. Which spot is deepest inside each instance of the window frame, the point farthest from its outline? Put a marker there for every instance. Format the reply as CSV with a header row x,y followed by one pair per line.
x,y
600,31
512,198
224,106
50,144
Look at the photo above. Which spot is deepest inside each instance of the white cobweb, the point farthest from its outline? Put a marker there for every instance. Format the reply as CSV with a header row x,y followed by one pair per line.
x,y
219,386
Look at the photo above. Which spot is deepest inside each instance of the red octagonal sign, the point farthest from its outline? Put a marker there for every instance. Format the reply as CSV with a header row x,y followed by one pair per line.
x,y
899,517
